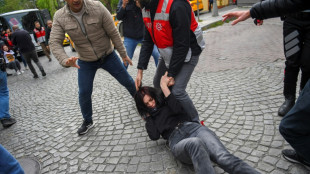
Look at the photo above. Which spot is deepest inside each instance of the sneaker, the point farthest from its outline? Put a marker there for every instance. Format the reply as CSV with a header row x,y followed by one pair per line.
x,y
7,122
26,68
291,155
85,127
19,73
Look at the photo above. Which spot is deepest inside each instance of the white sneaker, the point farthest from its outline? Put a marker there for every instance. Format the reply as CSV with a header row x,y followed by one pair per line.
x,y
26,68
18,73
22,71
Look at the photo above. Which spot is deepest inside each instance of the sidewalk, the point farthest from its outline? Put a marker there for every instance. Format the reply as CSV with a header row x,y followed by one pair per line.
x,y
206,19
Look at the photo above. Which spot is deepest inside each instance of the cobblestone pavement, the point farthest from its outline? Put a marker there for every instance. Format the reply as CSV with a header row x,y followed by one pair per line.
x,y
237,89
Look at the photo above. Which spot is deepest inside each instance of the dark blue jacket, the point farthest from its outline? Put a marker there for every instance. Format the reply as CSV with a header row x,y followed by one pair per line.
x,y
133,26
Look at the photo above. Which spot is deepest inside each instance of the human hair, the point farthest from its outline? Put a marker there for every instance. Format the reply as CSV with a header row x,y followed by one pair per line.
x,y
35,22
156,94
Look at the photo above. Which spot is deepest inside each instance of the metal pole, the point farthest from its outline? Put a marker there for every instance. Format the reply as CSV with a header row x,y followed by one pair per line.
x,y
215,10
198,9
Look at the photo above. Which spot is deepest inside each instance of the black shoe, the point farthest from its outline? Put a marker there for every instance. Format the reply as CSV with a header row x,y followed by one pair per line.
x,y
43,73
286,106
85,127
49,59
290,155
35,76
8,122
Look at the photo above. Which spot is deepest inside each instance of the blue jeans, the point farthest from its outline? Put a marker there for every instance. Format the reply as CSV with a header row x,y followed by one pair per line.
x,y
181,81
86,75
295,125
195,144
4,96
8,164
131,44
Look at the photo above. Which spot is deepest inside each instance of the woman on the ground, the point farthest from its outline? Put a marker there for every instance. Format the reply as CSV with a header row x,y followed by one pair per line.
x,y
189,142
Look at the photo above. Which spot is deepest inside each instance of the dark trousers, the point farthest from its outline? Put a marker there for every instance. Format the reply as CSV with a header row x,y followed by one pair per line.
x,y
195,144
32,55
295,126
296,32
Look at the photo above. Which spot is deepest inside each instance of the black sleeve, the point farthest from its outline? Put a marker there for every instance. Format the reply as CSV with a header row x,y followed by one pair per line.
x,y
14,40
180,20
120,12
174,104
35,37
151,129
47,37
276,8
146,50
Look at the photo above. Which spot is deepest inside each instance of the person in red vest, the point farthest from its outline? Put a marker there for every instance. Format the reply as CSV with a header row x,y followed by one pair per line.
x,y
172,27
39,36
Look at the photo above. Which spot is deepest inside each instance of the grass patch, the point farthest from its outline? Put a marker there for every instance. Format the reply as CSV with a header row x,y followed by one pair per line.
x,y
216,24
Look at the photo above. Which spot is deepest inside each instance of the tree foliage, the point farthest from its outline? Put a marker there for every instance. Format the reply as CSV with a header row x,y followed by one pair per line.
x,y
12,5
50,5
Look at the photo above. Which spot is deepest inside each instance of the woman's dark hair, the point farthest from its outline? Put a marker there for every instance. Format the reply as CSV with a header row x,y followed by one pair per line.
x,y
156,94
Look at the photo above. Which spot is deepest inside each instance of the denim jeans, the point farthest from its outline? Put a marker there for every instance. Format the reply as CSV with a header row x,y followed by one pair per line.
x,y
4,96
195,144
86,75
179,88
8,164
295,125
131,44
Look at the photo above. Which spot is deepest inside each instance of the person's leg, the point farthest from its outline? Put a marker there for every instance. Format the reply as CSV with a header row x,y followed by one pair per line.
x,y
35,58
155,55
193,151
86,75
23,60
114,66
46,51
12,65
305,55
292,50
295,128
220,155
130,45
8,164
27,56
160,71
4,96
17,65
179,88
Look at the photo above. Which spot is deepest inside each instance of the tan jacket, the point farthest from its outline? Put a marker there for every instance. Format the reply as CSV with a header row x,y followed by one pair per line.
x,y
99,27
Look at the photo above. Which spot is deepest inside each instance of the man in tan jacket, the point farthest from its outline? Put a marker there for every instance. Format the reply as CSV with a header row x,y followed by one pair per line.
x,y
91,27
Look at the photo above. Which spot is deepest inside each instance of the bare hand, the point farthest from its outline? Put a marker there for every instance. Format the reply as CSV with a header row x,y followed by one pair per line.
x,y
171,82
47,47
126,60
72,62
125,2
138,4
139,79
165,80
240,15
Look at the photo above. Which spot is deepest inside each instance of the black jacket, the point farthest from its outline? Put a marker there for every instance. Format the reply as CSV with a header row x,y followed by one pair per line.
x,y
277,8
23,41
164,119
133,26
47,35
183,37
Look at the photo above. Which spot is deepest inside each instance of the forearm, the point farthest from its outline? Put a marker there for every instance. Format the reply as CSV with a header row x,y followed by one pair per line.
x,y
277,8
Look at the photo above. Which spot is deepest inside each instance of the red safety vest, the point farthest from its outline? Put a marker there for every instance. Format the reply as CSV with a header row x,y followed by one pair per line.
x,y
161,31
40,34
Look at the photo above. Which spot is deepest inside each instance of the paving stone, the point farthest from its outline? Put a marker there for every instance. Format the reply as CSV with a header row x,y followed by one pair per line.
x,y
237,97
